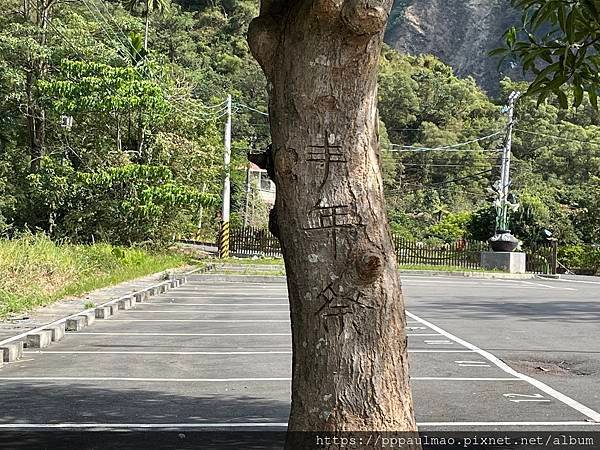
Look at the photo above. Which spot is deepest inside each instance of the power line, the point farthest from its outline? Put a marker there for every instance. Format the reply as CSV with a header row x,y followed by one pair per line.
x,y
251,109
422,150
391,194
443,165
453,147
101,21
224,102
560,138
199,115
404,129
455,180
112,18
204,119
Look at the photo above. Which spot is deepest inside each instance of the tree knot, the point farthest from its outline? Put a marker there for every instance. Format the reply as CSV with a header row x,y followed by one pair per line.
x,y
365,17
369,266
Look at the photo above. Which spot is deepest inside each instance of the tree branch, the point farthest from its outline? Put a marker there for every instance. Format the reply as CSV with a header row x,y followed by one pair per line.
x,y
366,17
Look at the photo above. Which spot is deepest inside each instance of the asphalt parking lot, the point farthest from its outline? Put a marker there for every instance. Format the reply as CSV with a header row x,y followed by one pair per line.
x,y
485,354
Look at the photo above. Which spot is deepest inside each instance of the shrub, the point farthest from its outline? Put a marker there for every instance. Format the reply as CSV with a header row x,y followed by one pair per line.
x,y
584,259
452,227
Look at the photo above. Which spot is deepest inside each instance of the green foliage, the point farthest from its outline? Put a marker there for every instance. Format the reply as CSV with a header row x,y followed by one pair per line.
x,y
559,42
584,259
134,110
423,104
35,271
452,227
143,157
133,203
96,87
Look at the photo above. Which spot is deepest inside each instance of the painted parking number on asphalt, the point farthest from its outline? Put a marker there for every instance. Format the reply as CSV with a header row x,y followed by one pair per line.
x,y
518,398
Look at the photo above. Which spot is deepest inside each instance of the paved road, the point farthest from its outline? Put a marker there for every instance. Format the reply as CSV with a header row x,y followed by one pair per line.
x,y
217,355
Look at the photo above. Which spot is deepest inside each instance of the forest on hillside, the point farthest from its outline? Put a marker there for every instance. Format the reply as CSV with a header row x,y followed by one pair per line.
x,y
111,129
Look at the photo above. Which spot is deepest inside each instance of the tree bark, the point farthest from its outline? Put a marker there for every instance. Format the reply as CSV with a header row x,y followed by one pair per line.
x,y
350,366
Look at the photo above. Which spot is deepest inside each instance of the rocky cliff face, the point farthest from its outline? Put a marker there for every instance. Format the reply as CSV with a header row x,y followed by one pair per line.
x,y
459,32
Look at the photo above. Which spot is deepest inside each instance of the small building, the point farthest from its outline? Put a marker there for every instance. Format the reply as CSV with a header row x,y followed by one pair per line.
x,y
258,178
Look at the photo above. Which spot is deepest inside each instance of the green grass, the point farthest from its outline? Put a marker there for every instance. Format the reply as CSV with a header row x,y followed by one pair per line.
x,y
35,271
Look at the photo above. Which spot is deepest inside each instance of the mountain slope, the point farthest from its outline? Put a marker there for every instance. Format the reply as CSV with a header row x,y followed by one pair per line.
x,y
459,32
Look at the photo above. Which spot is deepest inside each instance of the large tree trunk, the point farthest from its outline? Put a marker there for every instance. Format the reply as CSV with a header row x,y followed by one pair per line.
x,y
350,367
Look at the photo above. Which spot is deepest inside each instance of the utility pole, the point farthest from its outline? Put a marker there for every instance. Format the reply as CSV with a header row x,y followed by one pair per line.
x,y
501,220
224,233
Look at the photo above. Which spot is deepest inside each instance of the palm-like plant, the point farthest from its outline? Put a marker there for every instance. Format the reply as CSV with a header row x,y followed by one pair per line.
x,y
149,5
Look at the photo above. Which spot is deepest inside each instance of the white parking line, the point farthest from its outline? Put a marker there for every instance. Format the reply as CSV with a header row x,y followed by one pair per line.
x,y
505,424
466,379
226,380
189,311
142,352
577,281
439,351
202,320
220,297
212,304
179,334
243,284
109,426
226,290
594,415
209,334
143,425
149,380
549,287
479,286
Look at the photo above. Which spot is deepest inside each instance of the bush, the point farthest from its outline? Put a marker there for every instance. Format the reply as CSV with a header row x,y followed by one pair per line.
x,y
402,225
129,204
584,259
452,227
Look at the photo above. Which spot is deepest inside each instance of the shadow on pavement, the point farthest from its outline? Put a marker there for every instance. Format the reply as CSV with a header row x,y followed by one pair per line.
x,y
42,403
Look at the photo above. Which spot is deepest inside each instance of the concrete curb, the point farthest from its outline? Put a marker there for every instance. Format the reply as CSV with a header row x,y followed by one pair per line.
x,y
550,276
484,275
239,278
11,348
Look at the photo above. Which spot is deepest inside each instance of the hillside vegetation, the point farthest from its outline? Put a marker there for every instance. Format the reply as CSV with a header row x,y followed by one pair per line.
x,y
104,140
35,271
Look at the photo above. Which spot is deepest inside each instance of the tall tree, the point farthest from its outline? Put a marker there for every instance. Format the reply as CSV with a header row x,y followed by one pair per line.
x,y
38,12
350,365
149,6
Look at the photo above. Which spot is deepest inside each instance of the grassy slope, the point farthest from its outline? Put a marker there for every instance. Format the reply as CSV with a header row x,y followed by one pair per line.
x,y
35,271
